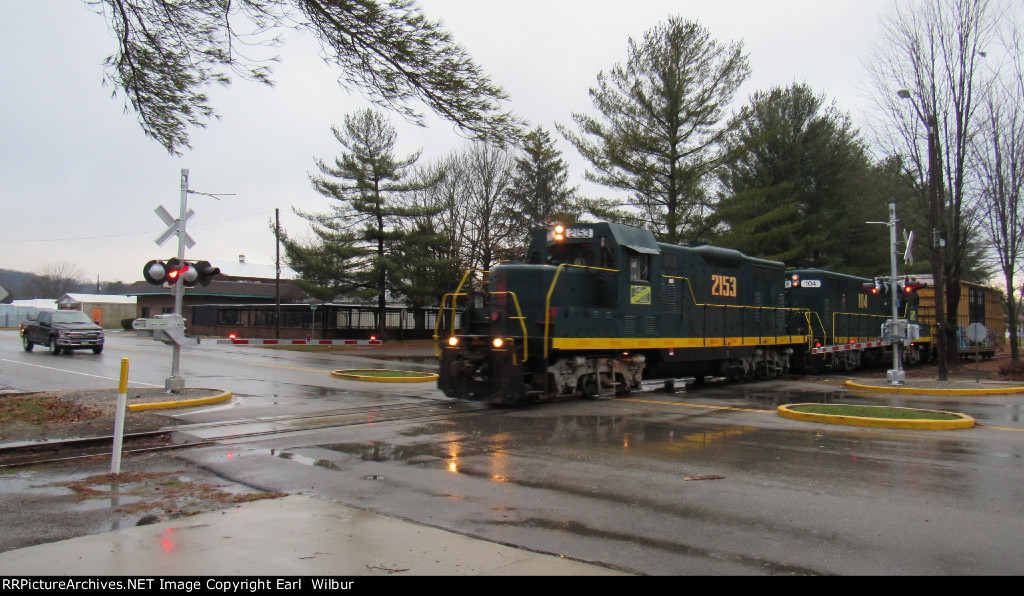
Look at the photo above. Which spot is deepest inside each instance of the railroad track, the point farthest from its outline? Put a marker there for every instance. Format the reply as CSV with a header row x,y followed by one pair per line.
x,y
67,450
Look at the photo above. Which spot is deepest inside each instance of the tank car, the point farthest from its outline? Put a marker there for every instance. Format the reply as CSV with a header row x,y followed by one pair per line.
x,y
598,308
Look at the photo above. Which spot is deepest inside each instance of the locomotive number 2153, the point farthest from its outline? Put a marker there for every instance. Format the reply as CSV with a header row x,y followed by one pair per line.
x,y
722,285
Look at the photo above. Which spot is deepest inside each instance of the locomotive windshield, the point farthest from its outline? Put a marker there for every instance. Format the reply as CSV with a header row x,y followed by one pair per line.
x,y
572,254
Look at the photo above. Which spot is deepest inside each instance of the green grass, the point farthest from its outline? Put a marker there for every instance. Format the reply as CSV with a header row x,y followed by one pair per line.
x,y
873,412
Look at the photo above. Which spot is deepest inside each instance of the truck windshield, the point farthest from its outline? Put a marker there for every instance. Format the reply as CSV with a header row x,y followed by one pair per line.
x,y
71,316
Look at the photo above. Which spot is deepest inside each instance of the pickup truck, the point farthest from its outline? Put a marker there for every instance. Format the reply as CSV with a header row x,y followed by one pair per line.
x,y
62,331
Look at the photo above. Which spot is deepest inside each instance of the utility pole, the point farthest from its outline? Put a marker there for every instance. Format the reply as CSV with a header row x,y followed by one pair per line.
x,y
277,293
896,376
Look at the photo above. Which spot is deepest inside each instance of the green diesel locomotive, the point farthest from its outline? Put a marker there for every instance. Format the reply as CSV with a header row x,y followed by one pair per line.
x,y
599,308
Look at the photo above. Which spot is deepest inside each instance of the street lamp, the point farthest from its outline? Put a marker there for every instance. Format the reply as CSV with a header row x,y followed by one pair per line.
x,y
933,220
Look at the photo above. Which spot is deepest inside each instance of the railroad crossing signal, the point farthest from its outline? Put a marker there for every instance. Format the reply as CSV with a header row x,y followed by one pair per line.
x,y
173,226
159,272
163,272
199,272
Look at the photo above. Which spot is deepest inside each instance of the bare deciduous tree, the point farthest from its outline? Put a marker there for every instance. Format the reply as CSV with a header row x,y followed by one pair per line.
x,y
53,280
999,151
475,211
927,74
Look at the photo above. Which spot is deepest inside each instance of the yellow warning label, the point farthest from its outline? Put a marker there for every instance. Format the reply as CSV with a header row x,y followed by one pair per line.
x,y
639,294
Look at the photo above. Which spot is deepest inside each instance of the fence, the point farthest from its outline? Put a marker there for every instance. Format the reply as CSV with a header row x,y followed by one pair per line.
x,y
12,316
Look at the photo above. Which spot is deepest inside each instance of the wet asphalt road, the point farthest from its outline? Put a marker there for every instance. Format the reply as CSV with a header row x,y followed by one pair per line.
x,y
707,481
704,482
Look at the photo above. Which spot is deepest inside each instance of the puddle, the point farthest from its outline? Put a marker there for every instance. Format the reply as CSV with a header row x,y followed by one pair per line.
x,y
309,461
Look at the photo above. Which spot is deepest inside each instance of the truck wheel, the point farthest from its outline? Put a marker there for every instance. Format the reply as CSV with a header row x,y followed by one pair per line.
x,y
28,345
54,348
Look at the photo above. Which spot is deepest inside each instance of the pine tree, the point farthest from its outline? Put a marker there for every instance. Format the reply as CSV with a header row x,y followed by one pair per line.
x,y
802,187
169,52
539,190
355,252
662,122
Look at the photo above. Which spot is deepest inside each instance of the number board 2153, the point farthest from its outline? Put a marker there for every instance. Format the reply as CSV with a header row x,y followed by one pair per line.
x,y
723,285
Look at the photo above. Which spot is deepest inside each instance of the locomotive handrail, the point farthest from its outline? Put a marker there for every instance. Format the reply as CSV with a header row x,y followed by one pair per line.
x,y
806,312
551,290
835,315
547,309
522,323
440,311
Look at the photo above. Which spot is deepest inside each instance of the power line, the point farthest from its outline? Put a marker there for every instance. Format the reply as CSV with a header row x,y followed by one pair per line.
x,y
7,241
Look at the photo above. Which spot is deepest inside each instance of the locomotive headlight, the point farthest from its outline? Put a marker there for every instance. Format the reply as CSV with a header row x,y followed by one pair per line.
x,y
559,232
453,341
497,342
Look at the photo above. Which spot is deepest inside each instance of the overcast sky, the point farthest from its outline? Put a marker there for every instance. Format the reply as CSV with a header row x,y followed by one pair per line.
x,y
79,181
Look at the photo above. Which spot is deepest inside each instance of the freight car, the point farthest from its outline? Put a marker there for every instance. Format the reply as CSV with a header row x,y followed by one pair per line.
x,y
978,304
599,308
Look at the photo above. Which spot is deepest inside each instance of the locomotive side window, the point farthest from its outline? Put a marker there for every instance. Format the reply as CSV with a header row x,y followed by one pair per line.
x,y
640,268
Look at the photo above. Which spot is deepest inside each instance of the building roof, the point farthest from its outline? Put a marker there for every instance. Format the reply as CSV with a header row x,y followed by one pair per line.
x,y
40,303
220,288
97,299
241,269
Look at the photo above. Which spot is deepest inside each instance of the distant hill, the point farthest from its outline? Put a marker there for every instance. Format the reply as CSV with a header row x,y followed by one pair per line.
x,y
13,281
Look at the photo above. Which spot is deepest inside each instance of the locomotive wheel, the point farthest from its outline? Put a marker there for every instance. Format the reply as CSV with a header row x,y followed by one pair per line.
x,y
589,386
620,387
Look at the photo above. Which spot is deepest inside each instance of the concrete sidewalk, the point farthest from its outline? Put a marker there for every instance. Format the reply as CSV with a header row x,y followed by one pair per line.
x,y
293,535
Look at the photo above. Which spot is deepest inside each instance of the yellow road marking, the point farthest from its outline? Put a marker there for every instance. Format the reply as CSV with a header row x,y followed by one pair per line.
x,y
290,367
690,405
